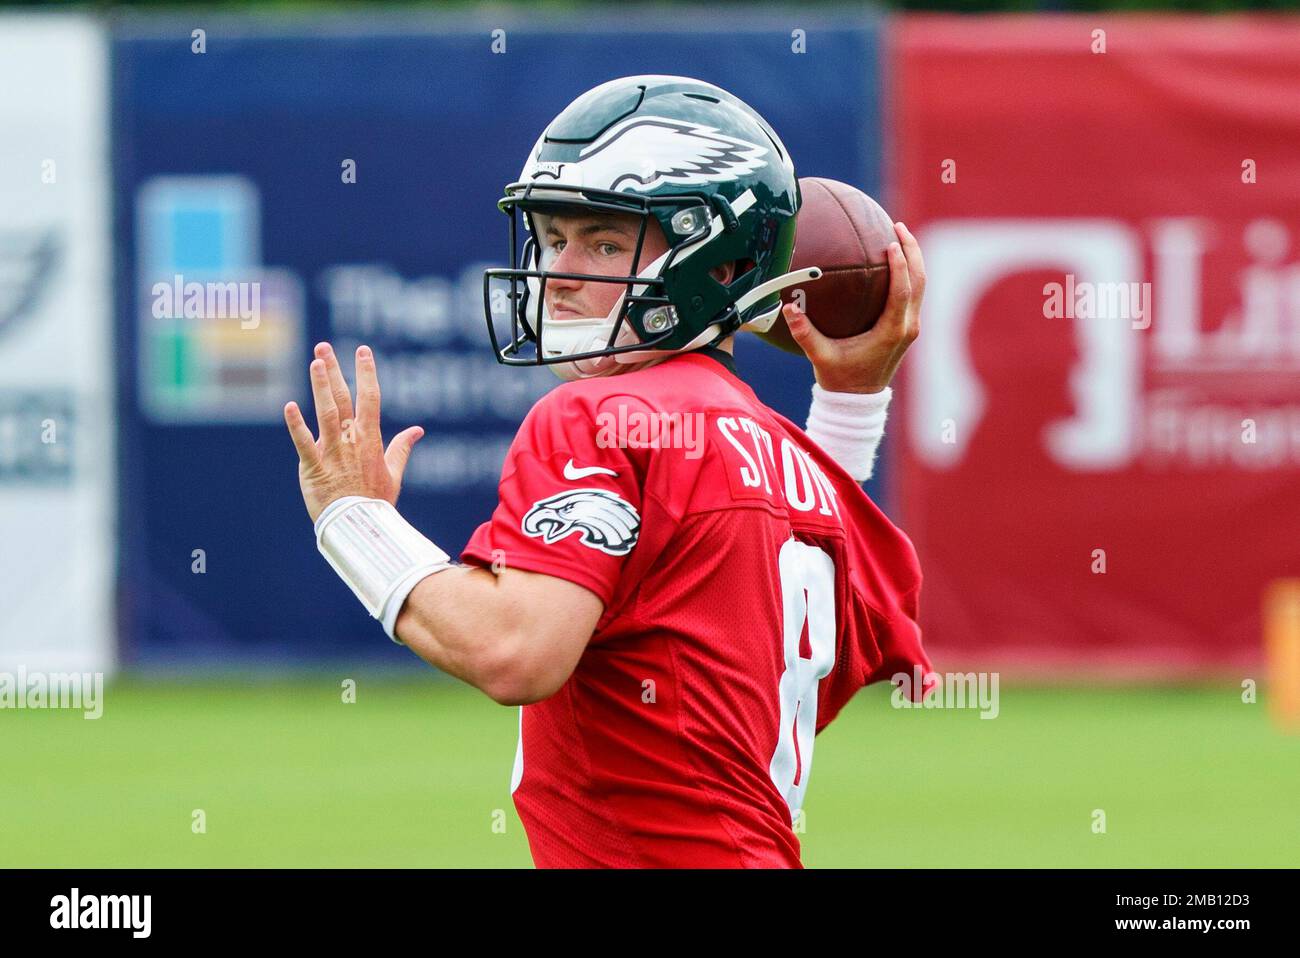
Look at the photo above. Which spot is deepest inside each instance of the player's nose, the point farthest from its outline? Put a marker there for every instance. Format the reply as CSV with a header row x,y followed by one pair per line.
x,y
564,263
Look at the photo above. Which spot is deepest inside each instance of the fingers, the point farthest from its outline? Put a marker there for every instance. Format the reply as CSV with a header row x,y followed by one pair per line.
x,y
911,328
915,262
399,450
338,385
809,338
899,322
900,288
367,392
301,435
327,411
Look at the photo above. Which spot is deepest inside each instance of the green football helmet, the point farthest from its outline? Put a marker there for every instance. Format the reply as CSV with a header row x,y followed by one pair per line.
x,y
707,168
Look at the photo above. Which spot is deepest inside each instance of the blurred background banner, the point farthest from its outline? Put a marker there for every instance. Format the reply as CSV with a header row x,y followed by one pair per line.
x,y
277,188
57,428
1103,409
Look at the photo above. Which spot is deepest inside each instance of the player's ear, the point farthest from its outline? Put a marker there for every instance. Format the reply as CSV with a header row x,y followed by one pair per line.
x,y
724,273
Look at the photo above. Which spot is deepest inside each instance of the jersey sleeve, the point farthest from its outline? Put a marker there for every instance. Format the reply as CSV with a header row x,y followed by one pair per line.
x,y
881,589
570,501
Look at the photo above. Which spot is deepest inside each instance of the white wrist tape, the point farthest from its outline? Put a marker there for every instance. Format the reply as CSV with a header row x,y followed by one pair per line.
x,y
849,426
377,553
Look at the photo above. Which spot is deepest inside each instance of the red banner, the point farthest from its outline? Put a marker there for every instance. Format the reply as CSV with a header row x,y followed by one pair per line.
x,y
1101,464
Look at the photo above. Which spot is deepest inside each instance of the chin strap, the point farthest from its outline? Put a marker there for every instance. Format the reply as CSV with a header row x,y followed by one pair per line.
x,y
718,331
765,322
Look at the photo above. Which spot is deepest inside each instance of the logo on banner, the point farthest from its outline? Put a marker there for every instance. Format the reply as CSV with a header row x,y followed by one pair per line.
x,y
27,261
220,333
1153,376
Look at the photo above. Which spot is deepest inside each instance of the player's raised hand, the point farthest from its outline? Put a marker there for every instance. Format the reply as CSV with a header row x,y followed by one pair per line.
x,y
866,363
348,458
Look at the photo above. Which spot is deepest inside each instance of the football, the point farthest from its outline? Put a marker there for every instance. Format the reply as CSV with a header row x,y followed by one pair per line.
x,y
846,233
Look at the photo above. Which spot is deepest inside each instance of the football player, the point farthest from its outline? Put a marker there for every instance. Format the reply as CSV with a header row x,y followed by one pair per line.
x,y
679,587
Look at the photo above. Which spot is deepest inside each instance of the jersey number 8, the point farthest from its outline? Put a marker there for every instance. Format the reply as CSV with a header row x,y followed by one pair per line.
x,y
808,628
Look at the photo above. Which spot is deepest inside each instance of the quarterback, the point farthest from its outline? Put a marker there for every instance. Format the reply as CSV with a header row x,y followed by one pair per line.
x,y
676,621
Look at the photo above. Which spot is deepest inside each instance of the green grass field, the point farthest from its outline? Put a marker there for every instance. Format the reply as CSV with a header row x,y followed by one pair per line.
x,y
415,771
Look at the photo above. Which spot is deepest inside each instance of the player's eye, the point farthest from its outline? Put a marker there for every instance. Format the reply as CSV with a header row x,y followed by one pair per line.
x,y
613,247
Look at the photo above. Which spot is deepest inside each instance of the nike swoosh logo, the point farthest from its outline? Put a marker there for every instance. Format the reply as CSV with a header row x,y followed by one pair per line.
x,y
573,472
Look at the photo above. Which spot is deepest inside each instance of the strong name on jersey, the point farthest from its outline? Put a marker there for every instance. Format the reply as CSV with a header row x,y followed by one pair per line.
x,y
750,586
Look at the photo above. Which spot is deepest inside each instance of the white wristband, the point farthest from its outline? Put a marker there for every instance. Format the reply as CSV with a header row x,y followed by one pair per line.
x,y
377,553
849,426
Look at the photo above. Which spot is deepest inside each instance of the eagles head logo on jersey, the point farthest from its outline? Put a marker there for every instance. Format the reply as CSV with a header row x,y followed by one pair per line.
x,y
602,519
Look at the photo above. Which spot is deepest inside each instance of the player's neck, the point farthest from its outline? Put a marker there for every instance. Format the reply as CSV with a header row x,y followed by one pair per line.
x,y
721,354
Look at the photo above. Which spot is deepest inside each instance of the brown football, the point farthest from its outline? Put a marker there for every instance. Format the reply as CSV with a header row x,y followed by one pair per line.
x,y
846,233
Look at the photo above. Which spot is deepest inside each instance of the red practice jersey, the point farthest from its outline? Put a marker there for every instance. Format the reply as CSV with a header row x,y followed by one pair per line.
x,y
750,587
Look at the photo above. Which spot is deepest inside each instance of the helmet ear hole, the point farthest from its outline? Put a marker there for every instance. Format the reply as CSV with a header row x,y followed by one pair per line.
x,y
738,269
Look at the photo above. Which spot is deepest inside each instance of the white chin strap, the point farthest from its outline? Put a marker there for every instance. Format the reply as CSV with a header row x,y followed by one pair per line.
x,y
764,321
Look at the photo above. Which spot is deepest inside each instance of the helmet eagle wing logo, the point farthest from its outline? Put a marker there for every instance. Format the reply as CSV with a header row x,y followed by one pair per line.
x,y
643,153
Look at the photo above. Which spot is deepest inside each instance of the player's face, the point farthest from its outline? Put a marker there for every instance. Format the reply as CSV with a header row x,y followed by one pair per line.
x,y
601,245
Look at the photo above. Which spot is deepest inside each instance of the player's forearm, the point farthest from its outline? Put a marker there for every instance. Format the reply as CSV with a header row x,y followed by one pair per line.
x,y
464,621
496,631
456,618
